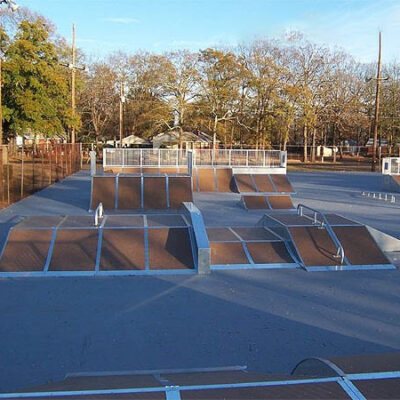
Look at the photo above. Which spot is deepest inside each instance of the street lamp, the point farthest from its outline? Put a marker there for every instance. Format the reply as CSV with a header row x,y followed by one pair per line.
x,y
13,7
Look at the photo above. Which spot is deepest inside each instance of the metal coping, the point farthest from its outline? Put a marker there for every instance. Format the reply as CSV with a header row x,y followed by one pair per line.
x,y
346,382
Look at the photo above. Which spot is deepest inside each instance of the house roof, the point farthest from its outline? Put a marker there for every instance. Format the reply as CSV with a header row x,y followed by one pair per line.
x,y
172,136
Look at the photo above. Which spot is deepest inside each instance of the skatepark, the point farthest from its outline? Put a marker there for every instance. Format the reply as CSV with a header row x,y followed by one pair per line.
x,y
216,284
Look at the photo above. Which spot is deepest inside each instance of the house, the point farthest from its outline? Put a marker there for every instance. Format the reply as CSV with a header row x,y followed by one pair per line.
x,y
188,140
130,141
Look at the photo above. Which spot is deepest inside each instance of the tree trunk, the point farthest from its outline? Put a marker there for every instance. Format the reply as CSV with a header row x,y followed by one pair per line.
x,y
215,131
314,132
334,143
305,140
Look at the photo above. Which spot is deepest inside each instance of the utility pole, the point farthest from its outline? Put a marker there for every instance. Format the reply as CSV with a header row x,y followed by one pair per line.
x,y
378,85
73,73
121,113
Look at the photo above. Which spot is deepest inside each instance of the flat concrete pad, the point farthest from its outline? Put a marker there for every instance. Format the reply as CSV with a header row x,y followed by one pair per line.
x,y
254,233
129,193
206,180
263,183
170,248
118,221
103,191
221,235
81,221
245,183
334,219
180,190
74,250
292,219
281,183
26,250
316,391
40,221
155,193
165,221
224,179
228,253
122,249
269,253
255,202
359,246
315,246
281,202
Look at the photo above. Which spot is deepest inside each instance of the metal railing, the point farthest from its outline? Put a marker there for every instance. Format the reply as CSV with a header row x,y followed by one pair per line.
x,y
391,166
138,158
324,223
98,214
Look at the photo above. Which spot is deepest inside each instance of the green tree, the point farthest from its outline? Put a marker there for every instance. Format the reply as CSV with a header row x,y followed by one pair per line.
x,y
35,91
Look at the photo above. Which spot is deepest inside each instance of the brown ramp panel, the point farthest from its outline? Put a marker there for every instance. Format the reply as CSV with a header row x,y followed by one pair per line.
x,y
281,202
224,179
269,253
281,183
359,246
206,179
155,193
180,190
263,183
228,253
103,191
122,249
314,245
74,250
255,202
244,183
379,389
170,248
26,250
129,193
314,391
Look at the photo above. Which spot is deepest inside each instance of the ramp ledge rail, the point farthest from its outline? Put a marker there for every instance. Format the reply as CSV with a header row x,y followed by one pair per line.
x,y
324,224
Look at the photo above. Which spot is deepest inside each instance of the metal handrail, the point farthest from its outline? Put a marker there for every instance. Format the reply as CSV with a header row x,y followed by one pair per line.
x,y
98,214
326,225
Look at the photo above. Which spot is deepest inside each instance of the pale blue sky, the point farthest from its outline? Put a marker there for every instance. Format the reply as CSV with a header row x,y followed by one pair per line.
x,y
157,25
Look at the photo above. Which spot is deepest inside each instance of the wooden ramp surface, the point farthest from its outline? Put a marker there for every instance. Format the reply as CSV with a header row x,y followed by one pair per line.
x,y
74,250
180,190
281,202
224,179
26,250
103,191
154,193
170,248
129,193
205,179
282,183
314,245
255,202
244,183
122,249
263,183
359,246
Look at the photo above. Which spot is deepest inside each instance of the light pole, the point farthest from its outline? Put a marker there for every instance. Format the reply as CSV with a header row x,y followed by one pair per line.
x,y
378,80
123,90
13,7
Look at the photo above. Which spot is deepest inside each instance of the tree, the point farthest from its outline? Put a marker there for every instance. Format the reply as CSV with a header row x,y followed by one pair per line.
x,y
35,94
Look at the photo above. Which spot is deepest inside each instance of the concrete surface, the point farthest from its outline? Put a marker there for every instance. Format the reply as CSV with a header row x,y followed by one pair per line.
x,y
266,319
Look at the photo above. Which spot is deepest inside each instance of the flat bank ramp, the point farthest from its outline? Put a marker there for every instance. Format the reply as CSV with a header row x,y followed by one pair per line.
x,y
141,192
336,243
262,183
120,245
247,248
356,377
271,202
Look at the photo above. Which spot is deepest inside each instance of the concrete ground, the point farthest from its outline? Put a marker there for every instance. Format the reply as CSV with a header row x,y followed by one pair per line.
x,y
266,319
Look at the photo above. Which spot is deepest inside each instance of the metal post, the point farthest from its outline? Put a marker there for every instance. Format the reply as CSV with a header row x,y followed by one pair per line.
x,y
92,163
378,83
73,72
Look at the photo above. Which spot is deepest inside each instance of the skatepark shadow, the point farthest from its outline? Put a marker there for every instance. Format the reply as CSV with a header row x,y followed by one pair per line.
x,y
116,324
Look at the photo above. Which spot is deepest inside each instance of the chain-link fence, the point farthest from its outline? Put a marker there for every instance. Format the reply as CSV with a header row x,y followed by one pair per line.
x,y
25,170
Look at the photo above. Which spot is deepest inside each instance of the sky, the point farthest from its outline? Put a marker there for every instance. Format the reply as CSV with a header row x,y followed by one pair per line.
x,y
161,25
